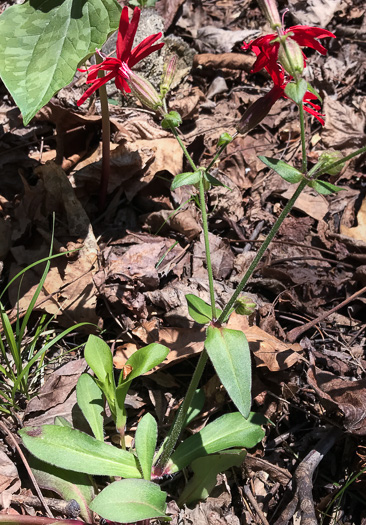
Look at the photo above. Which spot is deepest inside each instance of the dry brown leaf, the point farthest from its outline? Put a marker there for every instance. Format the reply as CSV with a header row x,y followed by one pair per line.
x,y
188,105
309,202
314,12
357,232
338,394
8,474
344,127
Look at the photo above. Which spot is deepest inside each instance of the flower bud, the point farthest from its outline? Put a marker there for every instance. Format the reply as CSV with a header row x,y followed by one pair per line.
x,y
327,158
142,89
291,57
244,306
270,11
170,69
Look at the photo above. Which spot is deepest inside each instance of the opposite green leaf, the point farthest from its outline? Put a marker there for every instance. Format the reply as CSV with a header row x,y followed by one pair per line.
x,y
228,431
130,500
198,309
73,450
205,471
90,401
324,188
99,357
43,41
230,355
296,90
69,485
145,443
144,360
185,179
171,120
287,172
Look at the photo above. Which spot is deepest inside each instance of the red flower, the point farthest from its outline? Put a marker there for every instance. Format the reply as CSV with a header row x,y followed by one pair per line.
x,y
267,53
126,34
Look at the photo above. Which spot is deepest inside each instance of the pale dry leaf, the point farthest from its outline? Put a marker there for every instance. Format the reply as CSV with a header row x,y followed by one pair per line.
x,y
314,12
344,127
9,478
309,202
357,232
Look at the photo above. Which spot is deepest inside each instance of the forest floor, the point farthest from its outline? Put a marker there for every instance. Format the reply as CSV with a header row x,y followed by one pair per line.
x,y
137,259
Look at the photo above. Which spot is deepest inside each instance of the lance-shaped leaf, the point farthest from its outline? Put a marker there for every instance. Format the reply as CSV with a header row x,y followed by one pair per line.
x,y
130,500
90,401
185,179
43,41
199,310
228,431
205,473
287,172
73,450
230,355
145,443
324,188
99,357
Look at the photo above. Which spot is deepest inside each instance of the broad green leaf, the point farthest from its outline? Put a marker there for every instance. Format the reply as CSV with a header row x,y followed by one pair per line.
x,y
196,406
198,309
144,360
69,485
99,357
43,41
171,120
324,188
296,90
145,443
62,422
73,450
185,179
130,500
228,431
287,172
90,401
205,473
230,355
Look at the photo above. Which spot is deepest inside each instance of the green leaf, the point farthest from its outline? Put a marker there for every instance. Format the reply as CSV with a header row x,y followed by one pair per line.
x,y
195,407
324,188
205,472
287,172
198,309
99,357
69,485
171,120
215,182
62,422
90,401
185,179
314,92
73,450
130,500
228,431
144,360
230,355
145,443
296,90
43,41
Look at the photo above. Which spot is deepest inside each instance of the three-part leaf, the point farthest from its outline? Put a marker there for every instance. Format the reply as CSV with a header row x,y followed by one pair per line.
x,y
230,355
43,41
130,500
71,449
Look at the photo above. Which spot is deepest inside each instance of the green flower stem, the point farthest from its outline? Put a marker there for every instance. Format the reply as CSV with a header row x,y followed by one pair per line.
x,y
176,429
106,139
219,151
261,251
181,144
341,161
303,138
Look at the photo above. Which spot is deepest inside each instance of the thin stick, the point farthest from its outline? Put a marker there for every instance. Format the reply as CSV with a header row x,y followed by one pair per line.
x,y
30,473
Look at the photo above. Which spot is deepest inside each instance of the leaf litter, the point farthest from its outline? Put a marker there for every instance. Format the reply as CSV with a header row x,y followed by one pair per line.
x,y
129,269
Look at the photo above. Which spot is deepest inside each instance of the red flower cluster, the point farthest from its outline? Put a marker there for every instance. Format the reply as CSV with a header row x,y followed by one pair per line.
x,y
266,48
126,34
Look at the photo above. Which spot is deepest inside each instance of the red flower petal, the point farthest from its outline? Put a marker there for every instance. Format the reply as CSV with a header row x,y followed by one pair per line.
x,y
126,33
96,85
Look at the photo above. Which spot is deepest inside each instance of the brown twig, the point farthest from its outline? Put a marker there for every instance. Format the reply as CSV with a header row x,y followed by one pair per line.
x,y
299,330
30,473
302,499
71,508
255,505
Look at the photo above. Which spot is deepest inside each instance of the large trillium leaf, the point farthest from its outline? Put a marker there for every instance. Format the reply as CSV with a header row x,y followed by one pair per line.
x,y
43,41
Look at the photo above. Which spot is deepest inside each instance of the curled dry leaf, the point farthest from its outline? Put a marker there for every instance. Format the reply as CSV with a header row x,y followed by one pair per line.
x,y
314,12
357,232
338,394
9,479
344,127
